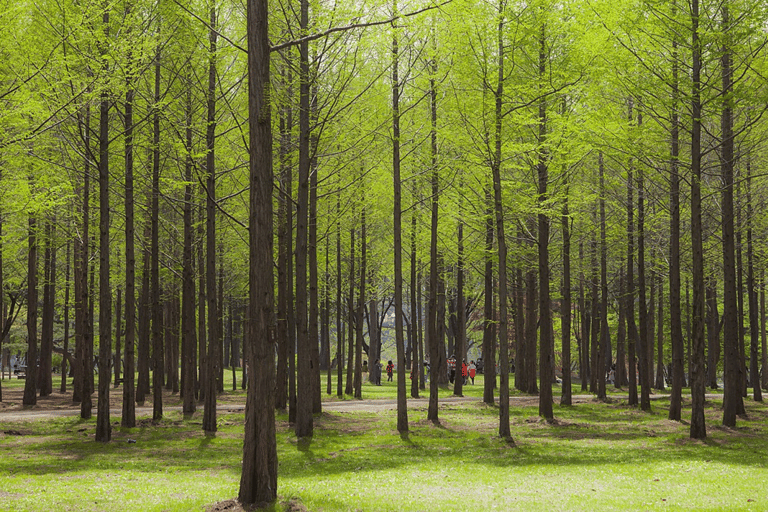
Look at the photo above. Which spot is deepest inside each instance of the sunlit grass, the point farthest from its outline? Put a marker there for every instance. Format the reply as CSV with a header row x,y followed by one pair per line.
x,y
595,456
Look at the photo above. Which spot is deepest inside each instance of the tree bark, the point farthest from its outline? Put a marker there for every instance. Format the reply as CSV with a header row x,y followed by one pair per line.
x,y
402,407
698,428
212,360
258,482
30,392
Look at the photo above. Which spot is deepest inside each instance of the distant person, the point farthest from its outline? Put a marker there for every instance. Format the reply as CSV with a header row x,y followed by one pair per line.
x,y
451,368
464,372
472,371
390,370
365,366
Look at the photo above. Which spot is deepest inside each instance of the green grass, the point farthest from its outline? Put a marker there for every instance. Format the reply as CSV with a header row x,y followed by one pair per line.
x,y
596,456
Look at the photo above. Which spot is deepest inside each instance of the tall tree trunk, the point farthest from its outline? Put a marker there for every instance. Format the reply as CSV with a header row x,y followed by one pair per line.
x,y
304,400
348,389
202,330
713,326
732,397
565,308
764,344
118,355
358,382
585,324
258,482
103,427
754,373
65,342
675,319
339,306
546,342
142,388
44,373
188,333
213,360
620,378
156,311
402,407
603,343
698,428
642,346
461,324
630,296
313,330
432,327
415,317
660,339
504,431
489,364
83,377
30,384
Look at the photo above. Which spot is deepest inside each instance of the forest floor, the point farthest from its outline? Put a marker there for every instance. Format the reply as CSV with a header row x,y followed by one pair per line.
x,y
597,455
61,405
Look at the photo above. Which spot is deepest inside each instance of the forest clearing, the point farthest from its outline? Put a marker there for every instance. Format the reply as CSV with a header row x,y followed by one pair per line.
x,y
597,456
287,206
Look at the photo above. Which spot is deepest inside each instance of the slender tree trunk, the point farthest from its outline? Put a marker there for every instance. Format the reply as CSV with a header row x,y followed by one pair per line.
x,y
642,346
504,431
630,297
754,374
565,307
212,359
461,327
313,331
188,333
142,389
603,343
156,312
44,377
202,331
118,355
547,343
358,377
698,428
489,365
432,327
258,482
585,324
764,345
620,378
81,301
675,319
348,389
660,339
30,384
415,317
305,397
103,426
402,407
732,397
339,306
65,342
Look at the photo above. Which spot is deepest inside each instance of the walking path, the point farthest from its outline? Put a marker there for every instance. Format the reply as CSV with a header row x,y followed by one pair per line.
x,y
374,405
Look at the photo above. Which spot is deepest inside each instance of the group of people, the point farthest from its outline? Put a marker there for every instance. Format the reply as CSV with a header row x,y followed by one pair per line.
x,y
468,371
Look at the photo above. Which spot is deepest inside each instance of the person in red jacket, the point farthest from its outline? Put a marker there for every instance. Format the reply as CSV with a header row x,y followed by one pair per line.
x,y
390,369
464,370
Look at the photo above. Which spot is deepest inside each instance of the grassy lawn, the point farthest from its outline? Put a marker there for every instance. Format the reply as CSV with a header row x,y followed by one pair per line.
x,y
596,456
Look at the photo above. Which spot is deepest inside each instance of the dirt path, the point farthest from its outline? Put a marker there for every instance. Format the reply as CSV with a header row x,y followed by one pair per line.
x,y
60,405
